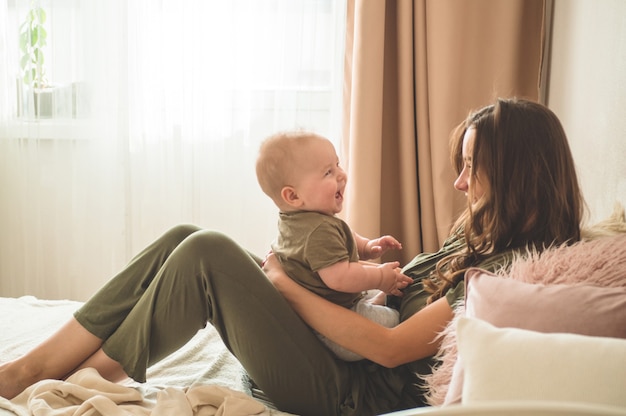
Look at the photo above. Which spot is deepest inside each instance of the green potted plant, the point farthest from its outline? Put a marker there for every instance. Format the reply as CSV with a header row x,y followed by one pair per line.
x,y
33,37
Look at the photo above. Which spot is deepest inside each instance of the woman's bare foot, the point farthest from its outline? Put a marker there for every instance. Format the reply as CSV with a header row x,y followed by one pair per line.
x,y
15,378
55,358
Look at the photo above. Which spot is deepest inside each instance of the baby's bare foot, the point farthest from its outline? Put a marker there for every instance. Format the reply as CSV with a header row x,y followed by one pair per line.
x,y
379,299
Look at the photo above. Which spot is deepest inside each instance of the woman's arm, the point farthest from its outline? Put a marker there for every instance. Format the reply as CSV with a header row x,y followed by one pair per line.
x,y
411,340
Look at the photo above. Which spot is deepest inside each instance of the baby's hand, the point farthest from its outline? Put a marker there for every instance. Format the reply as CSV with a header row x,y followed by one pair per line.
x,y
379,246
392,279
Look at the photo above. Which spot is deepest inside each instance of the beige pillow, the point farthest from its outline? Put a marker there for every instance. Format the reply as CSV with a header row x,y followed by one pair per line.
x,y
518,364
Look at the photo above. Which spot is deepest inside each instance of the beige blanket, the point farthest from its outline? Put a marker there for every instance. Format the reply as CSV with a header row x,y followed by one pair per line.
x,y
86,393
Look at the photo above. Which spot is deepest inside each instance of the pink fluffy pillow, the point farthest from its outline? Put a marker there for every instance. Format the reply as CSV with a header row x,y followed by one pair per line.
x,y
580,309
575,269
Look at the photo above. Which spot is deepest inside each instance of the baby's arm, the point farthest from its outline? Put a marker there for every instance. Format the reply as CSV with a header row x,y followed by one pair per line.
x,y
373,249
355,277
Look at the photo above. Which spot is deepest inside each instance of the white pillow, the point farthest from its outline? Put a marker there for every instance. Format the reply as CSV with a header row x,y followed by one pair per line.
x,y
518,364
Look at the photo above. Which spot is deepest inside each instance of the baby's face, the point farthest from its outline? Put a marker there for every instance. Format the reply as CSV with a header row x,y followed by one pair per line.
x,y
322,181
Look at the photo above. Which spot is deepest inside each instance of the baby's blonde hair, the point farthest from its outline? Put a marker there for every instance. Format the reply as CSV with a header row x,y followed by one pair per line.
x,y
278,159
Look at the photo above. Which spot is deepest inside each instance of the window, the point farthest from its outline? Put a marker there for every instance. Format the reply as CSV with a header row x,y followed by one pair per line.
x,y
169,101
208,64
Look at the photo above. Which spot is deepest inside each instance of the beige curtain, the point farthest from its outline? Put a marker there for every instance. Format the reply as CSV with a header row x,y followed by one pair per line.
x,y
414,69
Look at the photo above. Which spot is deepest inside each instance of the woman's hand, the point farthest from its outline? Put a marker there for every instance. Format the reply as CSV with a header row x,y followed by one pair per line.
x,y
274,271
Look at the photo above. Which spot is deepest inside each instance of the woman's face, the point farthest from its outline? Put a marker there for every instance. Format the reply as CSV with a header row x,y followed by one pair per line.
x,y
468,182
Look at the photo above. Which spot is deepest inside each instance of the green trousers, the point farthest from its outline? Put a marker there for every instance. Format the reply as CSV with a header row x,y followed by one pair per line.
x,y
189,277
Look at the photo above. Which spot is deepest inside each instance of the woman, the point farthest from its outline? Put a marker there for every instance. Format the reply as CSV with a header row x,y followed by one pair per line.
x,y
516,168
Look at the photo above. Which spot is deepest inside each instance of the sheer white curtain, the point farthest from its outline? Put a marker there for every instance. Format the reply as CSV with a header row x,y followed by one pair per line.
x,y
158,112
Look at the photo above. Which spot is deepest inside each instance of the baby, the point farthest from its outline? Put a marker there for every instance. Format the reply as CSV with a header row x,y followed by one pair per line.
x,y
300,171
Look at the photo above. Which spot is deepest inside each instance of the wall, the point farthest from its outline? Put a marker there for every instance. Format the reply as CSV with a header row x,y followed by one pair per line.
x,y
587,90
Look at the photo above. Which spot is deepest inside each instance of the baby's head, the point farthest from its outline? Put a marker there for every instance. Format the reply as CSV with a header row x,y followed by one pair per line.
x,y
293,164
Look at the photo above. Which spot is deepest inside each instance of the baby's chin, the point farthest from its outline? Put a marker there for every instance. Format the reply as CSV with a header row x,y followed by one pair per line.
x,y
334,211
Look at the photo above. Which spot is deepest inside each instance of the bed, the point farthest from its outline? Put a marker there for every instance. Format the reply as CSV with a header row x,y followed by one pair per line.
x,y
577,299
202,378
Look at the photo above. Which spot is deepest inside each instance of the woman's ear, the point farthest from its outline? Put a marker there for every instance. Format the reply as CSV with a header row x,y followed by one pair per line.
x,y
290,196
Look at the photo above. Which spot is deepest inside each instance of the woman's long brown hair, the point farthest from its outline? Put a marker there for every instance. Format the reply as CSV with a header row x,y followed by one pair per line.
x,y
531,193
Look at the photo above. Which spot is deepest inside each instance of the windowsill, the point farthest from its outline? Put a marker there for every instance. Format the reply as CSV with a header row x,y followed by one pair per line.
x,y
46,129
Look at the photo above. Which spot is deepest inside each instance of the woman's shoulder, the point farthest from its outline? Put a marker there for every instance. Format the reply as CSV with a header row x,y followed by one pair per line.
x,y
499,261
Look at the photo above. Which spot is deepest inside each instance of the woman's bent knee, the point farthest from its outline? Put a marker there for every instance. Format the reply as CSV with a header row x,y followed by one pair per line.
x,y
180,232
205,242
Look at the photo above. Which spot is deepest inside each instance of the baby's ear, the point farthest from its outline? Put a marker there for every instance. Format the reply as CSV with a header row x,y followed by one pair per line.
x,y
290,196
